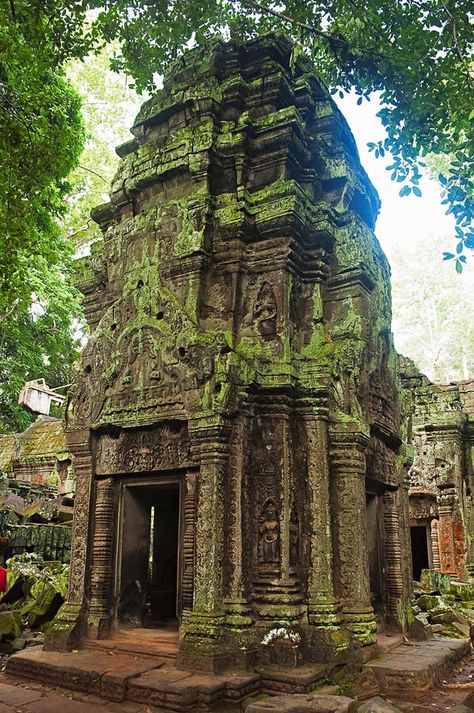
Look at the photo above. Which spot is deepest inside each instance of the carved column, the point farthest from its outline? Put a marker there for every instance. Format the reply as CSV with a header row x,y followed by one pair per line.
x,y
450,534
67,628
189,527
445,531
102,559
350,520
435,544
202,646
393,568
322,604
236,604
468,459
403,508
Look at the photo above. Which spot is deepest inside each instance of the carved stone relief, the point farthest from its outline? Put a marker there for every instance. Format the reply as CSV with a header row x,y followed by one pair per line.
x,y
162,448
265,312
269,536
294,536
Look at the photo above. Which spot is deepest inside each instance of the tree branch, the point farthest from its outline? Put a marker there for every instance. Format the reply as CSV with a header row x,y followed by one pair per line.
x,y
90,170
12,10
80,230
286,18
459,53
331,39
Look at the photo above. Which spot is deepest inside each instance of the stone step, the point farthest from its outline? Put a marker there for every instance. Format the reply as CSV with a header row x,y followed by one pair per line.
x,y
410,669
123,678
93,672
175,690
299,679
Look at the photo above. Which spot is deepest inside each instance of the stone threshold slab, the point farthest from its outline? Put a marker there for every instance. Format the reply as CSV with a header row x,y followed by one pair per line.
x,y
122,678
100,673
412,668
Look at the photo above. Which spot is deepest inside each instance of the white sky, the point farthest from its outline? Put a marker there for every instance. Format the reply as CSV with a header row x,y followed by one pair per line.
x,y
401,219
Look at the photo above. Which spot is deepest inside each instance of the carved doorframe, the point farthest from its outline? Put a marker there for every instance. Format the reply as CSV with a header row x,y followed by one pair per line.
x,y
151,481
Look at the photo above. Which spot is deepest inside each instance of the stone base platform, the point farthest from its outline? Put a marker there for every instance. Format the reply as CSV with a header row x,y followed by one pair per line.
x,y
411,669
119,677
405,672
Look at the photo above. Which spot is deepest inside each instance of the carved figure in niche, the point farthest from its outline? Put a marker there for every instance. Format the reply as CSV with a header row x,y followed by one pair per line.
x,y
265,311
133,350
269,534
150,361
294,533
444,472
127,310
346,382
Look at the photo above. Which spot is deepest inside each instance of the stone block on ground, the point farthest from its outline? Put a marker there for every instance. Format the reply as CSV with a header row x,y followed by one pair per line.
x,y
409,671
302,679
463,628
420,628
462,591
302,703
365,686
443,615
429,601
9,625
432,582
377,705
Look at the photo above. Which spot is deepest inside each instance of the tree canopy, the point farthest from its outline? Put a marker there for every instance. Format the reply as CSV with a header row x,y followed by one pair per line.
x,y
417,54
39,335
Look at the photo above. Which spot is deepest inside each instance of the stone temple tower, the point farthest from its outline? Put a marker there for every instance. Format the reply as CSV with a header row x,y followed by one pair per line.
x,y
234,417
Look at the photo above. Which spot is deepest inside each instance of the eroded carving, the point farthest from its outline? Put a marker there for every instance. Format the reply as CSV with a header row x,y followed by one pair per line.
x,y
269,534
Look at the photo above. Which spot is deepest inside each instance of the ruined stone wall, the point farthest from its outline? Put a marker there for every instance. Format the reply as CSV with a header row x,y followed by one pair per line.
x,y
37,456
239,306
440,431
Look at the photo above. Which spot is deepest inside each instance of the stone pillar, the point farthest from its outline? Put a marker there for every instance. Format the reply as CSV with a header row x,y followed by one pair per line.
x,y
447,553
451,534
435,544
189,528
102,560
202,644
322,603
286,485
393,563
350,520
68,627
469,497
236,604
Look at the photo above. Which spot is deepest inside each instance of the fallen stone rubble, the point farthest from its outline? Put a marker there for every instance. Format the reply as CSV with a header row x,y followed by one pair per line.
x,y
35,591
442,606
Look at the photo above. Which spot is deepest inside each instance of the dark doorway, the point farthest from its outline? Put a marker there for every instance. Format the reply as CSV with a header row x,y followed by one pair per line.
x,y
419,550
149,592
375,552
163,557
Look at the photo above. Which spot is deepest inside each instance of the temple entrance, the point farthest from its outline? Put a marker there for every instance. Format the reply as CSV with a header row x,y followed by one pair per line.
x,y
419,550
375,552
149,561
